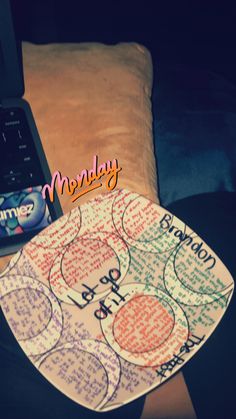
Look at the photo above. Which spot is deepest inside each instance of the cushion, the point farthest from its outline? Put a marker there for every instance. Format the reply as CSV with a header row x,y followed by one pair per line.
x,y
93,99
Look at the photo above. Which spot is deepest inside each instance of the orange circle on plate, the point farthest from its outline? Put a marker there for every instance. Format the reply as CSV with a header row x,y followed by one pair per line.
x,y
143,324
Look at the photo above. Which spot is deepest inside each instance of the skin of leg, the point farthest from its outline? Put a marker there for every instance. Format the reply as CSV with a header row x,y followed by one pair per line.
x,y
169,401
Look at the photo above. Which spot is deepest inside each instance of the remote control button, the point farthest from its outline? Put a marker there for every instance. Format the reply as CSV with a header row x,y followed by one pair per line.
x,y
20,163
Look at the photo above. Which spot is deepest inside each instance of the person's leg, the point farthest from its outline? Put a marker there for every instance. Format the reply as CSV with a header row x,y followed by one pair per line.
x,y
169,401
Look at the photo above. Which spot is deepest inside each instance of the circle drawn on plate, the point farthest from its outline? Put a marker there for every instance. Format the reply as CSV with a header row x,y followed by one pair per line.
x,y
111,247
173,325
48,337
29,312
85,261
102,353
183,293
145,329
137,220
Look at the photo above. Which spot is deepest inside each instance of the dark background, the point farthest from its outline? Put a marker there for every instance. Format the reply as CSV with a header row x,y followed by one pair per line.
x,y
193,32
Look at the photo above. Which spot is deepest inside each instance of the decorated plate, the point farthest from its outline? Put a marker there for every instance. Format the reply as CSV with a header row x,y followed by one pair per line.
x,y
113,298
